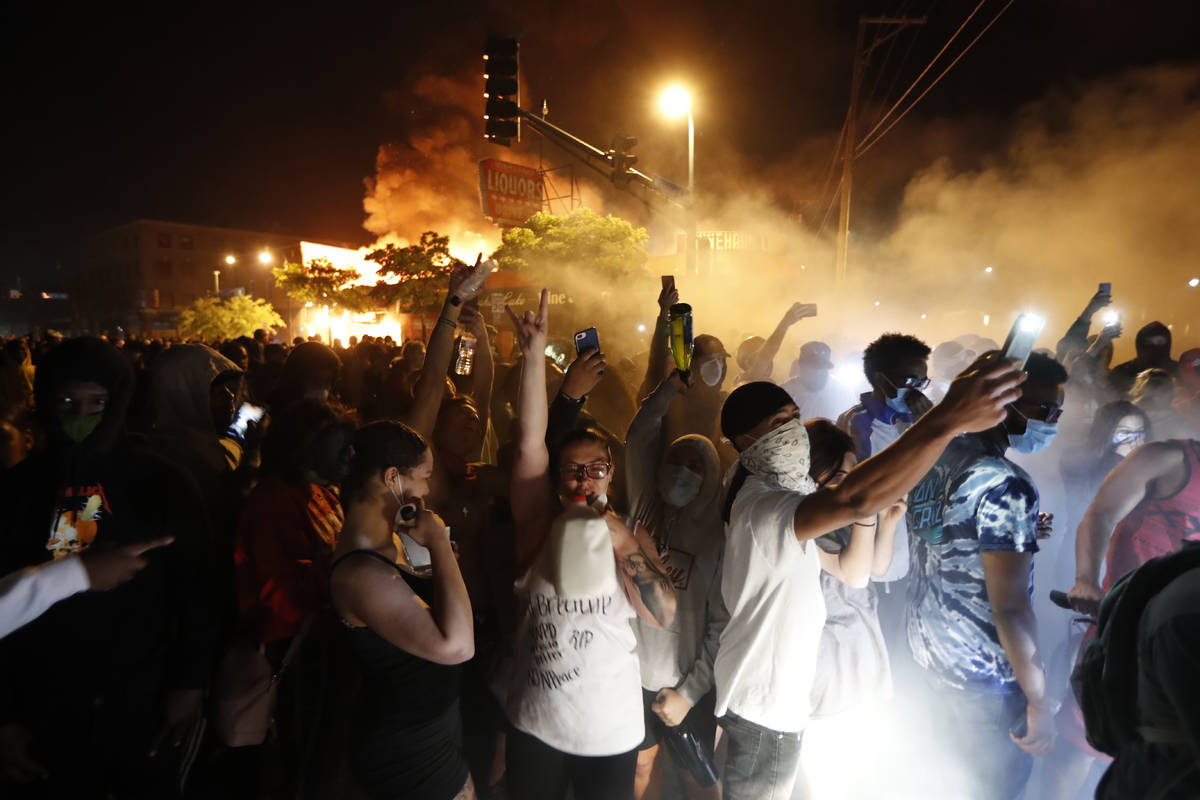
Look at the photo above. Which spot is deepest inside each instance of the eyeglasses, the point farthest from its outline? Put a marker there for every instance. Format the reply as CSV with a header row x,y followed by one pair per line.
x,y
597,470
1046,412
911,382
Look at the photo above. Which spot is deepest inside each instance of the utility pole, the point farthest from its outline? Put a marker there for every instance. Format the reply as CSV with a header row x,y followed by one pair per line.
x,y
861,58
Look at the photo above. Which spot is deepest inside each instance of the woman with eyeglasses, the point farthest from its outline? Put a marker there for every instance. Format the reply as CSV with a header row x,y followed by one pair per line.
x,y
575,694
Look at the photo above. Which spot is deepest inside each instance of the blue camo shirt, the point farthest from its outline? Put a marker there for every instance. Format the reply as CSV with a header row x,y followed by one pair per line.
x,y
973,501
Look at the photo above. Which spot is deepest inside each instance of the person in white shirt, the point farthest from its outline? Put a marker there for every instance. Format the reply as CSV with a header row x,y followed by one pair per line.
x,y
27,593
771,579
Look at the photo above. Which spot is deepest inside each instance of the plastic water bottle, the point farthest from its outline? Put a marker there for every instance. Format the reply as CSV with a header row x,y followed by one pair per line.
x,y
474,281
465,362
586,566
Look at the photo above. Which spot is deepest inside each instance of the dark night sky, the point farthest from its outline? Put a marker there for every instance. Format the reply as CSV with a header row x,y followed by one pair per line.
x,y
268,116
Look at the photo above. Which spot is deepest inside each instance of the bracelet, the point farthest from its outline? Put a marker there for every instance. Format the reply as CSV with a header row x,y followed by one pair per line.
x,y
867,524
447,322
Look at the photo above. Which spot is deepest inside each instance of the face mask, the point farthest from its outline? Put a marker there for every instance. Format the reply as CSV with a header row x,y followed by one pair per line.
x,y
600,504
78,427
711,372
1126,443
317,394
1037,436
679,485
899,403
781,457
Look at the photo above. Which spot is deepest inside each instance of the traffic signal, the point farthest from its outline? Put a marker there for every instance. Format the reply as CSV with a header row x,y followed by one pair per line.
x,y
501,66
620,156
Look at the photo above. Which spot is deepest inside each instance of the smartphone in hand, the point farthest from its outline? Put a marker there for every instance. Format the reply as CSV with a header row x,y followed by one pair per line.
x,y
587,340
668,282
1021,338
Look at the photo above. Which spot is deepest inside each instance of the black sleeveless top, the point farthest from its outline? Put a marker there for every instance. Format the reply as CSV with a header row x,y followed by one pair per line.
x,y
399,688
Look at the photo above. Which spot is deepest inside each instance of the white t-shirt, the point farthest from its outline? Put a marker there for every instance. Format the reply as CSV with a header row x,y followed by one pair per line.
x,y
771,585
575,683
882,436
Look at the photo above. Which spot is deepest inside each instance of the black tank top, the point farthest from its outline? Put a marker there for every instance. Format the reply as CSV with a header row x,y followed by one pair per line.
x,y
399,687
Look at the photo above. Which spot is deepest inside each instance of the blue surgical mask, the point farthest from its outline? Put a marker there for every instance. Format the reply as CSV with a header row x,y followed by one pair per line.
x,y
1037,436
899,403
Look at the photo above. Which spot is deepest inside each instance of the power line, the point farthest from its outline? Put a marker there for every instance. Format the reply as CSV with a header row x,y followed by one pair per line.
x,y
928,67
837,148
864,147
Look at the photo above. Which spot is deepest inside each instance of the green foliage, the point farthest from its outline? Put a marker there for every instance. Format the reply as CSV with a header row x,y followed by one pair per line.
x,y
210,318
321,283
606,249
422,269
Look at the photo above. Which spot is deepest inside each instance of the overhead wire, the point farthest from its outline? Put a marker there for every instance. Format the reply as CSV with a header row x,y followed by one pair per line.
x,y
837,149
924,72
887,55
864,146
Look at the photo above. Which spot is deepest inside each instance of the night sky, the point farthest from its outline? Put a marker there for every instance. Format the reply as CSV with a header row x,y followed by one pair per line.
x,y
269,116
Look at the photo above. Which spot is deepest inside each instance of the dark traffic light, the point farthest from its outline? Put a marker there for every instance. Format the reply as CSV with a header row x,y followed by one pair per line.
x,y
501,67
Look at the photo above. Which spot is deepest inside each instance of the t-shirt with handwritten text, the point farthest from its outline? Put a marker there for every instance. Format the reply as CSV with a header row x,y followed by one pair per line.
x,y
575,682
973,501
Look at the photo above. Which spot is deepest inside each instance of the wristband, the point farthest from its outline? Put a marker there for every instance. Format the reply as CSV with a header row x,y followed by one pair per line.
x,y
867,524
448,323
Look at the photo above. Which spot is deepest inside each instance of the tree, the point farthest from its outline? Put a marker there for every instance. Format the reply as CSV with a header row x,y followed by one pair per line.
x,y
607,249
210,318
422,269
322,283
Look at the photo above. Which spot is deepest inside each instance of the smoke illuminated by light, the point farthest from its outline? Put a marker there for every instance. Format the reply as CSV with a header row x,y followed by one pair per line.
x,y
675,101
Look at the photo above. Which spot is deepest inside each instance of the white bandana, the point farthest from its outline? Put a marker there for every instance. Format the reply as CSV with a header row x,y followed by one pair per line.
x,y
781,458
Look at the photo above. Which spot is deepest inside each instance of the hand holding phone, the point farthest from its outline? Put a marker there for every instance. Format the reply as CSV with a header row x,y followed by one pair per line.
x,y
1021,338
246,414
587,340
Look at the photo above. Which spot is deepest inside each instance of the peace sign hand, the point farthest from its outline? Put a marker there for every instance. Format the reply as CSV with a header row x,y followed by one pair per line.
x,y
530,329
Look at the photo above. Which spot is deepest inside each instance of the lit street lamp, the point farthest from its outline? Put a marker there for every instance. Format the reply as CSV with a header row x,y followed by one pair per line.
x,y
264,257
676,102
217,280
230,260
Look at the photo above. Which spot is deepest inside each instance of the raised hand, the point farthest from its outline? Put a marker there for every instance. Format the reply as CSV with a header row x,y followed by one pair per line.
x,y
977,399
668,297
583,374
799,311
531,329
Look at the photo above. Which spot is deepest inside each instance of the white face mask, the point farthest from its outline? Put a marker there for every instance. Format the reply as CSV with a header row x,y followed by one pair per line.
x,y
781,457
711,372
679,486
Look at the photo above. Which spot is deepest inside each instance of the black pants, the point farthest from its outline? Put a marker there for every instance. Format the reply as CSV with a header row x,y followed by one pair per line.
x,y
536,771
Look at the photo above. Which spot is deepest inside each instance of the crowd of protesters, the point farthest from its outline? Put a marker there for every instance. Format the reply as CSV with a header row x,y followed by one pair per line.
x,y
265,570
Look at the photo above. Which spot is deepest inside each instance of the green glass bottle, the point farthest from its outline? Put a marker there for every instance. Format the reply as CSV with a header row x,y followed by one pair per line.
x,y
681,337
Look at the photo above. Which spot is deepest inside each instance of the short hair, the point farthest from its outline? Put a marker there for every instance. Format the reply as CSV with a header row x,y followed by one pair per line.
x,y
1042,368
891,349
378,446
827,446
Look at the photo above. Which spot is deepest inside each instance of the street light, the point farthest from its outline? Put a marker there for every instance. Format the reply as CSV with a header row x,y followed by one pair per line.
x,y
675,102
264,257
217,280
231,260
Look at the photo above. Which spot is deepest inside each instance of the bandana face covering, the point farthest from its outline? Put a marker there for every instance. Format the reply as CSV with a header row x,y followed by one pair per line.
x,y
781,457
78,427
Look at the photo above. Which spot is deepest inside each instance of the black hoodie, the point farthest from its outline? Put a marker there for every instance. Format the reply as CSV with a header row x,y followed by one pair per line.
x,y
103,660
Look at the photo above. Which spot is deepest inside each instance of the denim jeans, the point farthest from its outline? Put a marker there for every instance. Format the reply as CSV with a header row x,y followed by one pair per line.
x,y
761,763
974,735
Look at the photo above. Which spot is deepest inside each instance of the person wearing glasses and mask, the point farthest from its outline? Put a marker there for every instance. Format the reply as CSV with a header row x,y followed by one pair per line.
x,y
973,522
896,366
575,694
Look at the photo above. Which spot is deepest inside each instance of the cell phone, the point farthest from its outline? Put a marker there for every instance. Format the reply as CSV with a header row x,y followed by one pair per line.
x,y
1021,338
587,340
417,556
668,282
1106,288
246,414
810,309
1021,729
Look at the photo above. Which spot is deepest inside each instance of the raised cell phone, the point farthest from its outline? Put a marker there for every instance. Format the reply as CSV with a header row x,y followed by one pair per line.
x,y
1021,338
587,340
668,282
1106,288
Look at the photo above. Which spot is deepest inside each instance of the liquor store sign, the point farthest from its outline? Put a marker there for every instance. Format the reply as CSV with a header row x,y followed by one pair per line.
x,y
510,193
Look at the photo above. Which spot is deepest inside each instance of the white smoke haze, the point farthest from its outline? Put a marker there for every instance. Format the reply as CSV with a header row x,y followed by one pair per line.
x,y
1092,185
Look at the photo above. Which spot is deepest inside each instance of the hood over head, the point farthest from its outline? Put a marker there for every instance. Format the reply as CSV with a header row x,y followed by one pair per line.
x,y
183,376
710,490
84,359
